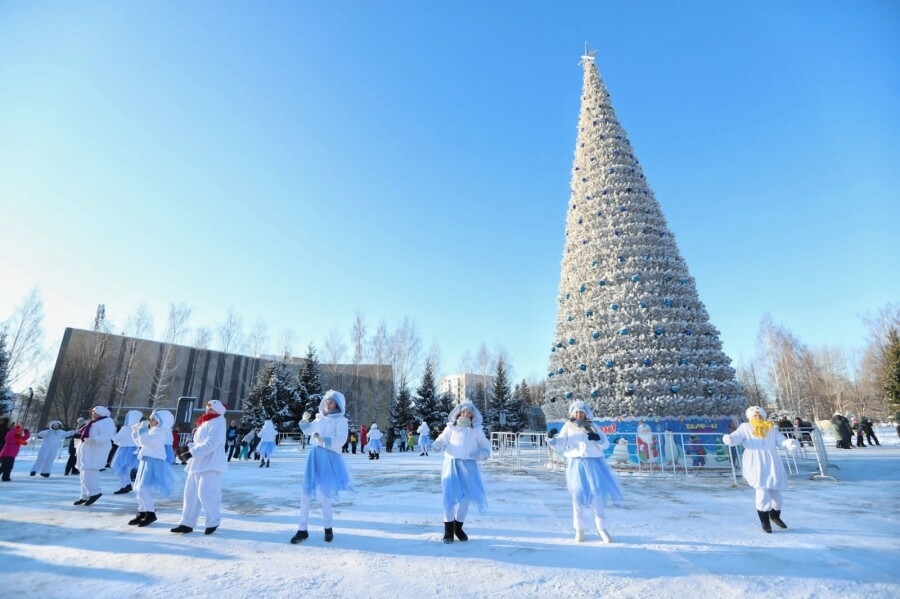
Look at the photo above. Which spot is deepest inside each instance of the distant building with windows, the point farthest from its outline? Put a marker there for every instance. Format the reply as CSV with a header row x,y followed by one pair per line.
x,y
467,386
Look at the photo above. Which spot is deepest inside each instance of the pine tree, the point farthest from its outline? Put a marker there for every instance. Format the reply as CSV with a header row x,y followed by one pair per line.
x,y
426,401
446,404
270,396
891,373
402,415
517,410
632,336
5,393
500,398
310,388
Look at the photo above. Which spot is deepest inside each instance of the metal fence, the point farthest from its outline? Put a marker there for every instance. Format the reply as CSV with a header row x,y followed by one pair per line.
x,y
658,455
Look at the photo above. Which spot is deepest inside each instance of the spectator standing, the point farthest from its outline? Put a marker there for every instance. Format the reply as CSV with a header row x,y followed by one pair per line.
x,y
16,437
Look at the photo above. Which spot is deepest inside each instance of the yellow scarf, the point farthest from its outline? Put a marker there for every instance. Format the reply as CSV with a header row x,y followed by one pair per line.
x,y
760,427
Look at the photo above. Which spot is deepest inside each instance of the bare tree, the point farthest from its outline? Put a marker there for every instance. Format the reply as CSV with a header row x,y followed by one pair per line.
x,y
202,338
138,327
167,364
24,340
231,336
485,363
81,380
405,347
335,351
258,338
380,347
286,344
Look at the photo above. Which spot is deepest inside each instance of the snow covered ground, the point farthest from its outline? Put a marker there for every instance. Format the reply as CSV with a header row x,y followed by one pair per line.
x,y
675,537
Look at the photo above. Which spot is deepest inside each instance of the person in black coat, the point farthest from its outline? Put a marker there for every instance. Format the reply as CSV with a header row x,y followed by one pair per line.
x,y
842,429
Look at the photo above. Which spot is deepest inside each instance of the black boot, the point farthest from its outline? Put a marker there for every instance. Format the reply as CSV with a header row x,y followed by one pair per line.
x,y
262,463
150,518
329,535
457,528
138,519
268,463
448,532
764,520
299,537
377,456
775,517
371,456
123,490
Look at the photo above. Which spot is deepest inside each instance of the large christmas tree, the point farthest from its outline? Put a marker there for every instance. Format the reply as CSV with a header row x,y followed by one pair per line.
x,y
632,337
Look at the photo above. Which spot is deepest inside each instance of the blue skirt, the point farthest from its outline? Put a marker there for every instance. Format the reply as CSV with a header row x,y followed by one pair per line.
x,y
461,480
266,448
590,478
125,460
374,445
156,474
325,473
170,454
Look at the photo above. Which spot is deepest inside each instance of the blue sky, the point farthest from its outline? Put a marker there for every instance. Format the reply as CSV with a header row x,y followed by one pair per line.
x,y
300,162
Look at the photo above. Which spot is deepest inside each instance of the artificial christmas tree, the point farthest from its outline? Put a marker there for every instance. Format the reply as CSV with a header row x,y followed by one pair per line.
x,y
632,337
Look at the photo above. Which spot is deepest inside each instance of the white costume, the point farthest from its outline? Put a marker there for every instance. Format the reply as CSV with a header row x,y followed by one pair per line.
x,y
374,442
762,467
154,472
424,437
203,487
52,437
92,444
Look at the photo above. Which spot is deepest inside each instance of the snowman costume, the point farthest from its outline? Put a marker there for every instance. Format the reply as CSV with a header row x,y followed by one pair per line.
x,y
761,465
52,437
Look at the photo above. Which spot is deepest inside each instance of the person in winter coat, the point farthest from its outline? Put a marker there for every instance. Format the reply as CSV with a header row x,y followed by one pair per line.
x,y
761,466
4,428
70,463
52,439
92,445
125,462
206,461
463,443
696,451
266,448
232,443
869,430
842,430
326,474
374,447
154,471
16,437
424,438
588,477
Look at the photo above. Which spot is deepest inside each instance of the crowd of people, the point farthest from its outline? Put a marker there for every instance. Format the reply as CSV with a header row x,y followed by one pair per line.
x,y
141,453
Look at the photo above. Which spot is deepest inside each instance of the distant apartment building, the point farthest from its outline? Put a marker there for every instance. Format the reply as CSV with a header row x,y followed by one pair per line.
x,y
467,386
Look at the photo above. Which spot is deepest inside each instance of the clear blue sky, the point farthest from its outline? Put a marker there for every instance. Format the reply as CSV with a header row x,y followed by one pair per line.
x,y
301,162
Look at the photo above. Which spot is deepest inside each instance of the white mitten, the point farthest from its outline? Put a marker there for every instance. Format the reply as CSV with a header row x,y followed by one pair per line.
x,y
437,446
484,454
791,445
726,439
305,417
317,440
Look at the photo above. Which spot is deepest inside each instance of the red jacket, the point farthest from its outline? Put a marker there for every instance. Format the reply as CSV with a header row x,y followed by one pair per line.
x,y
15,438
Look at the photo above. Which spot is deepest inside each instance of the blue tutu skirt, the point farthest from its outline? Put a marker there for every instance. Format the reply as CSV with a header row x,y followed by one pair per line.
x,y
125,460
325,473
461,480
374,445
266,448
590,478
156,474
170,454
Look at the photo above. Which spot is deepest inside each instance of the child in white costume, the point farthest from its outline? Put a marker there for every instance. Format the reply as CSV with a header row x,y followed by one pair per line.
x,y
374,442
154,471
588,477
761,465
125,462
424,437
92,444
326,474
49,448
266,445
463,443
206,461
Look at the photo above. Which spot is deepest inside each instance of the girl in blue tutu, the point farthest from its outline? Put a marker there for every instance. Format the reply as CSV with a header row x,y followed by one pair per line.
x,y
154,472
125,462
326,474
463,443
588,477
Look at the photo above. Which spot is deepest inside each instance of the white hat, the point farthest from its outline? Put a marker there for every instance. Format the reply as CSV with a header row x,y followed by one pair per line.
x,y
755,411
101,410
217,406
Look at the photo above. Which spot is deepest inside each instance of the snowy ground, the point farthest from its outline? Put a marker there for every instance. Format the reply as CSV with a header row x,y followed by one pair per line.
x,y
676,536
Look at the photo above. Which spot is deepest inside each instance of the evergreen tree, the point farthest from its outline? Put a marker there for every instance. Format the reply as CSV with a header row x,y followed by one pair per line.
x,y
517,409
311,388
270,397
426,400
632,336
891,373
446,403
5,393
402,415
501,395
